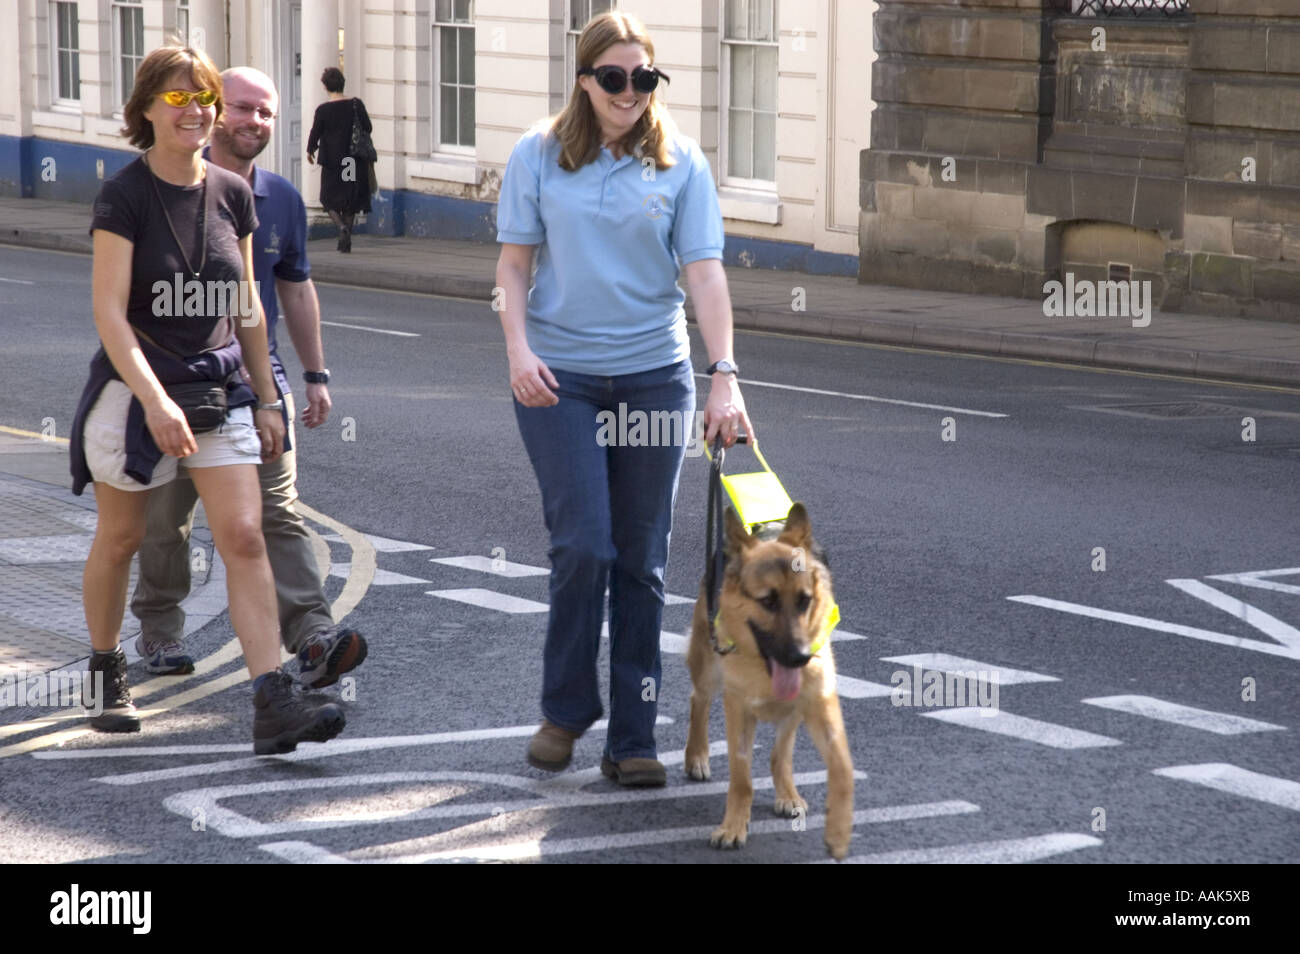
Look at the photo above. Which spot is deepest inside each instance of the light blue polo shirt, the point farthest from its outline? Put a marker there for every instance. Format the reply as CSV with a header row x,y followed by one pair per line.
x,y
605,299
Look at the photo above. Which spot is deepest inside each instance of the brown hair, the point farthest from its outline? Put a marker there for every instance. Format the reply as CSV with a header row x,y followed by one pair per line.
x,y
578,128
152,77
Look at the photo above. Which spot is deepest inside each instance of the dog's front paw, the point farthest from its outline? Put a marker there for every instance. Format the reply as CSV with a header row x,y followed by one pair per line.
x,y
729,835
697,767
838,845
791,807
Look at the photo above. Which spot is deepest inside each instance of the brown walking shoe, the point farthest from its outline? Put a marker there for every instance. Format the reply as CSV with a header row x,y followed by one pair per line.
x,y
640,773
551,749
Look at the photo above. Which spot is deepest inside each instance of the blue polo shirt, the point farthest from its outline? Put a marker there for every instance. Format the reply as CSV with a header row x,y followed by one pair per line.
x,y
605,299
279,249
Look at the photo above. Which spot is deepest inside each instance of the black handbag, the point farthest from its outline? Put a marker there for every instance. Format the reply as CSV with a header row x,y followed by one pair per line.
x,y
361,146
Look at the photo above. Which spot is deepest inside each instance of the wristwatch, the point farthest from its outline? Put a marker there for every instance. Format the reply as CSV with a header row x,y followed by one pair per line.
x,y
317,377
725,366
272,406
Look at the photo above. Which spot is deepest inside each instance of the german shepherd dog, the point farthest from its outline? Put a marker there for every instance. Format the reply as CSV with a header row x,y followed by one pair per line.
x,y
776,596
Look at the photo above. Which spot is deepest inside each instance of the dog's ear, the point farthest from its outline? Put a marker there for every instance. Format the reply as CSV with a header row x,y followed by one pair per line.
x,y
798,528
738,538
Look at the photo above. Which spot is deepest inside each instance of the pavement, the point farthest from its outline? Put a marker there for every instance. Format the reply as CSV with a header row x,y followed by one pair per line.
x,y
45,532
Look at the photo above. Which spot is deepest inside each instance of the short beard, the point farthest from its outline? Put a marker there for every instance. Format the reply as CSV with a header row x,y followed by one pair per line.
x,y
232,145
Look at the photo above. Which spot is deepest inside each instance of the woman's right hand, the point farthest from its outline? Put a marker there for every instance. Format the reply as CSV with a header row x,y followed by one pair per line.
x,y
529,377
166,422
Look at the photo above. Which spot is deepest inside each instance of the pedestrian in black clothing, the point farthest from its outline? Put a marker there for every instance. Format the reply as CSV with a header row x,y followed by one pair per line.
x,y
345,179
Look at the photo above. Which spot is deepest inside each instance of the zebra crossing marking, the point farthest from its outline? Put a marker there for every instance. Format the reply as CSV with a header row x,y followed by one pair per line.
x,y
1002,722
381,578
945,663
489,565
491,599
1233,780
382,544
1220,723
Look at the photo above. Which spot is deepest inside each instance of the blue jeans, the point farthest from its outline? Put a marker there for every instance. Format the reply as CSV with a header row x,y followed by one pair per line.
x,y
609,510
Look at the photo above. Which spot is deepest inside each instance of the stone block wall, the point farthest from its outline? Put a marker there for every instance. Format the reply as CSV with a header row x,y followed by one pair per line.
x,y
1013,142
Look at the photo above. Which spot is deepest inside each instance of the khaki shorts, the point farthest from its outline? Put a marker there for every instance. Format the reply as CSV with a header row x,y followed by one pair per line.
x,y
104,439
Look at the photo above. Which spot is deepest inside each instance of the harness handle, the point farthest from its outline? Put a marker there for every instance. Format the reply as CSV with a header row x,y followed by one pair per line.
x,y
715,541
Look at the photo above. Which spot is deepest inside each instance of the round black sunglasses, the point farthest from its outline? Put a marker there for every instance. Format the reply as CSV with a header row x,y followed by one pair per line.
x,y
613,79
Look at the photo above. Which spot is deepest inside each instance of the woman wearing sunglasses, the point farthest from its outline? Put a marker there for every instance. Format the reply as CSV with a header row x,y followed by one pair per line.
x,y
611,198
172,246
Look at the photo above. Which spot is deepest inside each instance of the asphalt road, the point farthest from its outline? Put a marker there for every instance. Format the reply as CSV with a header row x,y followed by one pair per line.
x,y
1124,738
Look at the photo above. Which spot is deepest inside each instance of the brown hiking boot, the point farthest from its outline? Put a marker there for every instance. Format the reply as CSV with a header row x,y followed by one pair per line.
x,y
551,749
640,773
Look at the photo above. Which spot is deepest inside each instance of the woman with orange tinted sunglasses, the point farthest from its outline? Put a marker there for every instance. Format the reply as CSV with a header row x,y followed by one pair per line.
x,y
175,311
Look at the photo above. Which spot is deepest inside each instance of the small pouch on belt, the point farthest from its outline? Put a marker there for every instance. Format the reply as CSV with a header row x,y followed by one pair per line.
x,y
204,403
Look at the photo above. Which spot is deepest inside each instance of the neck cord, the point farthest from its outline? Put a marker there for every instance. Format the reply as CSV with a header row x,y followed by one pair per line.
x,y
176,238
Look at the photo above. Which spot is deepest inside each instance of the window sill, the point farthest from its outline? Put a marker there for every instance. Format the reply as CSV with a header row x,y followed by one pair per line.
x,y
749,205
448,168
63,118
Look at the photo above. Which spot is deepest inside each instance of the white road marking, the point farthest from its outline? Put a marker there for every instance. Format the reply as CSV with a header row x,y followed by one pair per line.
x,y
491,599
378,331
533,849
1021,727
1012,851
497,567
844,635
865,397
943,662
16,281
382,544
336,747
234,825
507,569
1267,624
381,578
1159,625
1259,580
1238,781
1220,723
673,643
136,752
851,688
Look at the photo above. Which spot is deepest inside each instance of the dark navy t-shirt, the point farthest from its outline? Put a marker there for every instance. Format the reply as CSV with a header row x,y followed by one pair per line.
x,y
175,316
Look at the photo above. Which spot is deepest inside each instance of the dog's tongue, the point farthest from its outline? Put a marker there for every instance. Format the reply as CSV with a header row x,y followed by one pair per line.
x,y
785,682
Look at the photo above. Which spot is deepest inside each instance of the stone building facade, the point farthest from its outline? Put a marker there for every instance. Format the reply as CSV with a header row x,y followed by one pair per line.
x,y
1017,141
775,91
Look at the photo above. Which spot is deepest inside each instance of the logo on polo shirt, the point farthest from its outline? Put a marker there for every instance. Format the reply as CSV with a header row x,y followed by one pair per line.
x,y
655,205
273,241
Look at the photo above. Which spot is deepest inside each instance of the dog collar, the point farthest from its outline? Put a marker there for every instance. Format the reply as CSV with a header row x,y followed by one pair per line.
x,y
832,620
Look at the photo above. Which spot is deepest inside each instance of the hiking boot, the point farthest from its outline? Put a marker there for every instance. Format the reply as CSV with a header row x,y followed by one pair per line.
x,y
283,718
328,654
637,773
551,749
165,658
118,714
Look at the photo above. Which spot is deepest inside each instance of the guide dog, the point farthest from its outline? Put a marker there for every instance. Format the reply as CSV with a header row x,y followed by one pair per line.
x,y
775,665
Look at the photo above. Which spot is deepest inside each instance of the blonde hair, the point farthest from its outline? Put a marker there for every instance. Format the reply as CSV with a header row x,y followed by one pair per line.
x,y
152,77
577,127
